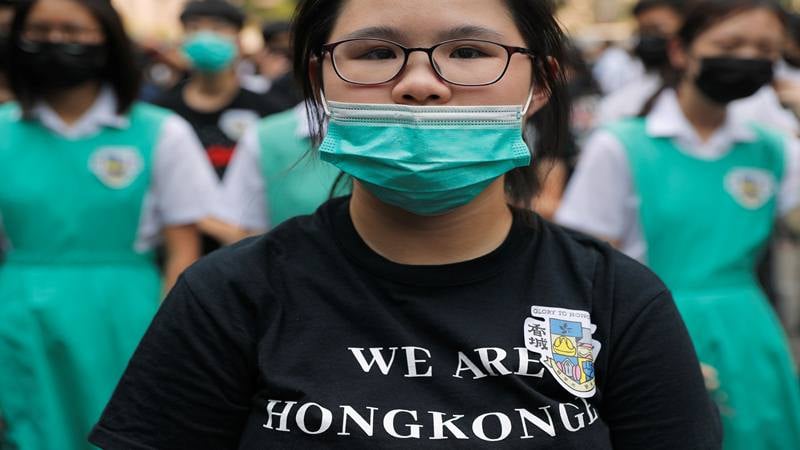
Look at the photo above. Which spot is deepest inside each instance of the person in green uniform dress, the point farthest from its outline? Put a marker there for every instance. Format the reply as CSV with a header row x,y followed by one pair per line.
x,y
694,190
273,177
90,180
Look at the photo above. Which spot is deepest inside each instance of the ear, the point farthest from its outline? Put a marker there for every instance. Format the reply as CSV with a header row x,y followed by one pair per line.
x,y
541,94
677,54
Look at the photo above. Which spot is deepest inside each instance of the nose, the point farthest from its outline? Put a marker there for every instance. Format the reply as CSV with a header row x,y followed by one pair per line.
x,y
419,84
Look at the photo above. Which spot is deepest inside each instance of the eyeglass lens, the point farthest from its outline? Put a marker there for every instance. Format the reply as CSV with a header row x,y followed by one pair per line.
x,y
464,62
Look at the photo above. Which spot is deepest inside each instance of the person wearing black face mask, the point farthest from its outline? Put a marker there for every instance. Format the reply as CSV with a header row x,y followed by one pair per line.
x,y
91,181
694,189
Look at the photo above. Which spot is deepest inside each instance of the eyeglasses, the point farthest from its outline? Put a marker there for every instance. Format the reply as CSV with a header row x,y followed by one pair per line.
x,y
462,62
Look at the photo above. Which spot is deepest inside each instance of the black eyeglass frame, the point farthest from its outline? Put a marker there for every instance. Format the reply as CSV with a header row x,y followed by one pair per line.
x,y
510,49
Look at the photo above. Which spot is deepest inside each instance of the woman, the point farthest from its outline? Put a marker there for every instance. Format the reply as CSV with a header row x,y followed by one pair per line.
x,y
421,311
90,181
694,190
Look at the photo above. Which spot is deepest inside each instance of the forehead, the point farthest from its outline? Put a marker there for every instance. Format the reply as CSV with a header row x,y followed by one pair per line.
x,y
756,25
61,11
426,22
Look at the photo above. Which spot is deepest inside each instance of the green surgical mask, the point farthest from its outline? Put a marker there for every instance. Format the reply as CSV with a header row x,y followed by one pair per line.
x,y
210,52
427,160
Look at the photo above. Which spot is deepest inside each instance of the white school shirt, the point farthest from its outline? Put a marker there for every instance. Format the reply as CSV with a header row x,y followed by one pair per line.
x,y
182,181
762,107
601,199
242,200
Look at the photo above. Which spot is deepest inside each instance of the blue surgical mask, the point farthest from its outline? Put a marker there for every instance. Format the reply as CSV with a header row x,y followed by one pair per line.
x,y
210,52
427,160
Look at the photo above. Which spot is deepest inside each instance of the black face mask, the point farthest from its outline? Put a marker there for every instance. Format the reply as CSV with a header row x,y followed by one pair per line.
x,y
652,50
52,66
724,80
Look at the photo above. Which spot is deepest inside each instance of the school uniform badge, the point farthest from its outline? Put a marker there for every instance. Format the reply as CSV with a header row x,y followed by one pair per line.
x,y
116,167
752,188
563,339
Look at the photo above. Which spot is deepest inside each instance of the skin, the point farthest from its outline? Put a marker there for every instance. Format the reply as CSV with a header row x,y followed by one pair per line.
x,y
6,16
390,231
756,33
182,242
209,92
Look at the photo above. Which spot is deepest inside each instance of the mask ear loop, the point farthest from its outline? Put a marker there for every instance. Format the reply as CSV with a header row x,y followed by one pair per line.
x,y
325,104
527,103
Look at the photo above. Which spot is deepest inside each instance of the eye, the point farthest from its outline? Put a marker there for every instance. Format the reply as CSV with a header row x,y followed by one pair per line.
x,y
378,54
467,53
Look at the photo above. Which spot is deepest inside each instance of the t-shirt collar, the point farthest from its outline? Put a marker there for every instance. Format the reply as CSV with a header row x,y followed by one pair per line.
x,y
103,113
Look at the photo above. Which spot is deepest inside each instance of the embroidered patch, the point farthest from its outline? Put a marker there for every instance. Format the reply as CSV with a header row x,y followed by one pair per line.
x,y
751,188
563,339
235,122
116,167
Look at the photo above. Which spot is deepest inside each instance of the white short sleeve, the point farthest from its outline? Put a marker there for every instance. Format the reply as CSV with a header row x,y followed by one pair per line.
x,y
600,199
789,196
183,185
242,196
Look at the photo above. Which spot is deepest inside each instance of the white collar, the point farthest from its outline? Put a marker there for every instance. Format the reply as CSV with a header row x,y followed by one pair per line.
x,y
667,120
103,113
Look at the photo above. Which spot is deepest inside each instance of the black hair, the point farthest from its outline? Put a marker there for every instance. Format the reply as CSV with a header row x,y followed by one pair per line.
x,y
270,30
702,15
314,20
121,70
219,9
643,6
793,26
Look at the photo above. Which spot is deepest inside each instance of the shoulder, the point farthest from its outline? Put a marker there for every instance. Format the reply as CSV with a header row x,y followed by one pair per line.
x,y
612,277
148,112
278,122
254,266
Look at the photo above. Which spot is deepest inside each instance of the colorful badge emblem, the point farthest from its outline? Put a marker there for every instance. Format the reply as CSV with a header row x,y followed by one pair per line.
x,y
116,167
563,339
751,188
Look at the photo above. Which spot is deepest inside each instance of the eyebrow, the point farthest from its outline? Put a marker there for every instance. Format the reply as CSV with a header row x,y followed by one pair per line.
x,y
393,34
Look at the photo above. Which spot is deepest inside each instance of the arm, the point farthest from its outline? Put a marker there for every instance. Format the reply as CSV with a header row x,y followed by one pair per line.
x,y
183,248
655,396
225,232
600,199
190,383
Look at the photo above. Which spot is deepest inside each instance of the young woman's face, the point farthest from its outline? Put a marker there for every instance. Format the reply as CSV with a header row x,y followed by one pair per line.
x,y
753,34
64,21
425,23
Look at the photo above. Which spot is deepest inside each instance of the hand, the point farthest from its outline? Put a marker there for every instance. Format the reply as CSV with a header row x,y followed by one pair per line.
x,y
710,376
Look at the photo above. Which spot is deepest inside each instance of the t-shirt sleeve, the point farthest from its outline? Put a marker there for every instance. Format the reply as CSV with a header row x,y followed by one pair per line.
x,y
241,200
600,199
190,383
789,195
184,184
655,390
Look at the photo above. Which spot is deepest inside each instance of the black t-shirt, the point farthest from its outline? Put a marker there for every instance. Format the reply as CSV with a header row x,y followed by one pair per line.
x,y
219,131
306,338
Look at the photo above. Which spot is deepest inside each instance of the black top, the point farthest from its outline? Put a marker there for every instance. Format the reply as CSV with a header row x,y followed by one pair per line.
x,y
219,131
306,338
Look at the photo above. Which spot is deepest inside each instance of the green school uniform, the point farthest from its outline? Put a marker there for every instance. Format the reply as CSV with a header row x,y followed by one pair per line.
x,y
75,293
296,182
706,223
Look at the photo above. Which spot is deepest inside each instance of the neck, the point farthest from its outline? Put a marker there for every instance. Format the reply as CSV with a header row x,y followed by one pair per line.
x,y
466,233
71,104
211,91
703,114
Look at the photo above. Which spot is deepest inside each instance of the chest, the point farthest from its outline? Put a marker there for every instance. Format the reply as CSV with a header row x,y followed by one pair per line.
x,y
369,365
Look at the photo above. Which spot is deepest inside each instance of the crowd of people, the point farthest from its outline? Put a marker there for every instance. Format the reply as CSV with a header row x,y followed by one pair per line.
x,y
444,214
